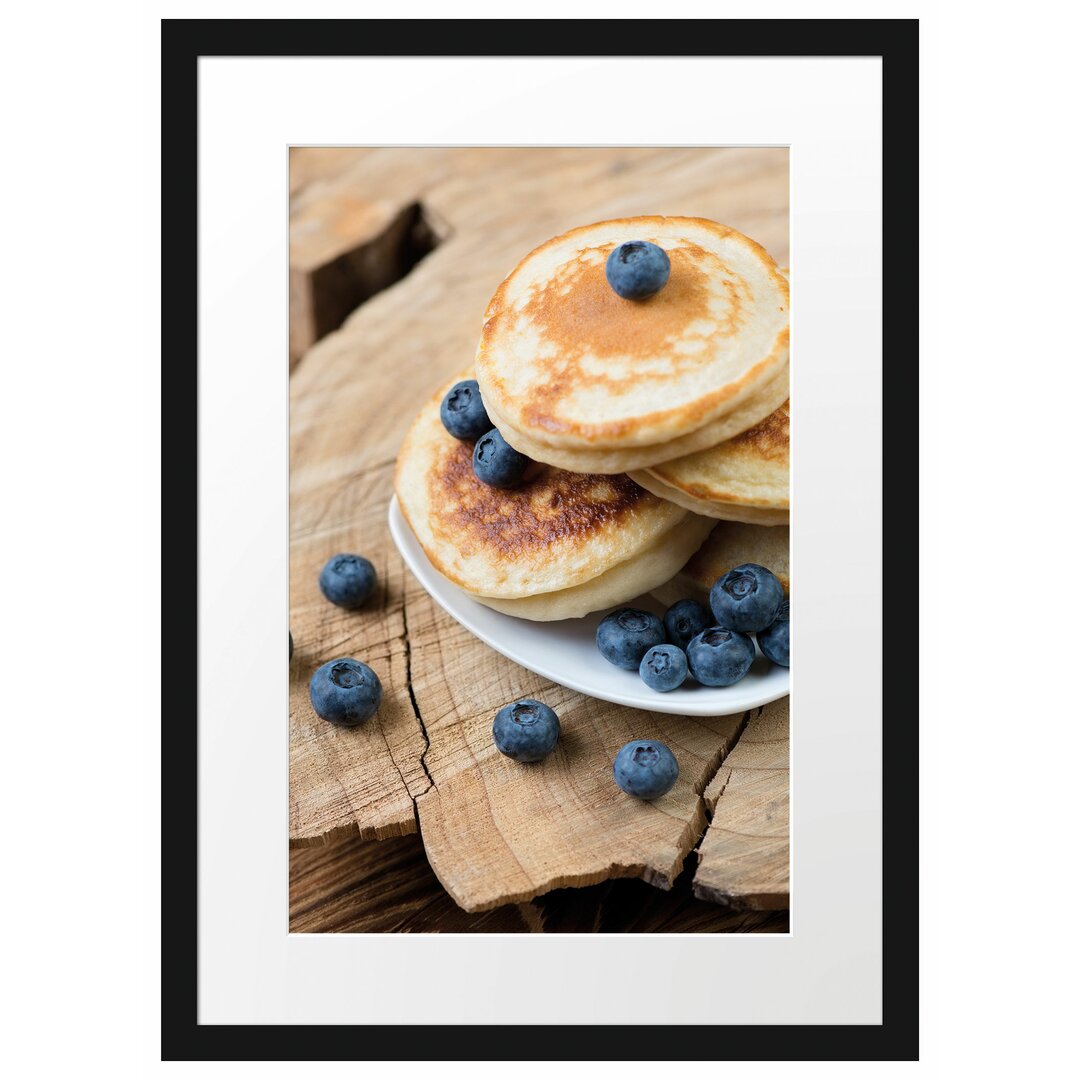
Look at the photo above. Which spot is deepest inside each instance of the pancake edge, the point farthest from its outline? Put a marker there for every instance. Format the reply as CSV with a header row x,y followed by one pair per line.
x,y
723,511
613,587
612,462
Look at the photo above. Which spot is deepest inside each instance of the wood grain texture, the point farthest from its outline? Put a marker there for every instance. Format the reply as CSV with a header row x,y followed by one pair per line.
x,y
316,166
744,860
354,886
364,780
495,832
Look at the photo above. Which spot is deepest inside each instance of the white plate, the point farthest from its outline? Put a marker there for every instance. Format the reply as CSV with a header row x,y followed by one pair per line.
x,y
566,652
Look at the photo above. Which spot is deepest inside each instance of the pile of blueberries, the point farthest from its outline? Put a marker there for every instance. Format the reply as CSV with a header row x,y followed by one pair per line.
x,y
710,645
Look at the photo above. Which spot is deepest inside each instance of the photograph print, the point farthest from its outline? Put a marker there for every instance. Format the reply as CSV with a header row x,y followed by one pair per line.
x,y
539,575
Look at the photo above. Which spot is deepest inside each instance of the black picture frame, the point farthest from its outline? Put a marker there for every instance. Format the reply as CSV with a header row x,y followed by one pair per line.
x,y
182,43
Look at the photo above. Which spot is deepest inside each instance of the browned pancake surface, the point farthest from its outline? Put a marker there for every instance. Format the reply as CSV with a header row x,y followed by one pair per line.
x,y
563,358
581,316
552,507
555,531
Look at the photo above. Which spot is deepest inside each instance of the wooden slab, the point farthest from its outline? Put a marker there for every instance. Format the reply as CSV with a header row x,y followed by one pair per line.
x,y
498,832
355,886
744,859
427,761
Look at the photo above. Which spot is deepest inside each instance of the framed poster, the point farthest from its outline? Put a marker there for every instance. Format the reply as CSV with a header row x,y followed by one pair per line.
x,y
836,103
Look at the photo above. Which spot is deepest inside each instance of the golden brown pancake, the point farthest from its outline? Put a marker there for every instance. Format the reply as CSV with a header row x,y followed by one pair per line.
x,y
554,533
564,362
730,544
743,479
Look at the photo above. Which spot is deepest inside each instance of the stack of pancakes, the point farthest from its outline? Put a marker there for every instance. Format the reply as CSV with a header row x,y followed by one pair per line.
x,y
558,546
685,391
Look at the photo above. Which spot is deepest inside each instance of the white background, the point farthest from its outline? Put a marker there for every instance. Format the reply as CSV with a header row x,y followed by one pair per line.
x,y
829,969
999,233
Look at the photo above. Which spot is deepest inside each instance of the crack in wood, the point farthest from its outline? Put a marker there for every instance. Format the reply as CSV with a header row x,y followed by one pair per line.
x,y
720,757
415,704
344,252
743,857
698,826
711,774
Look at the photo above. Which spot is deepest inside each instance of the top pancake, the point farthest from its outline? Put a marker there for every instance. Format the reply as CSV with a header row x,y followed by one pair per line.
x,y
568,363
556,531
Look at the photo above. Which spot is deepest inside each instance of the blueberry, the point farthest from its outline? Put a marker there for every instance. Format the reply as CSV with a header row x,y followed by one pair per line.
x,y
663,668
719,657
626,635
746,598
345,692
685,620
775,639
497,463
462,411
638,269
347,580
525,730
646,769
